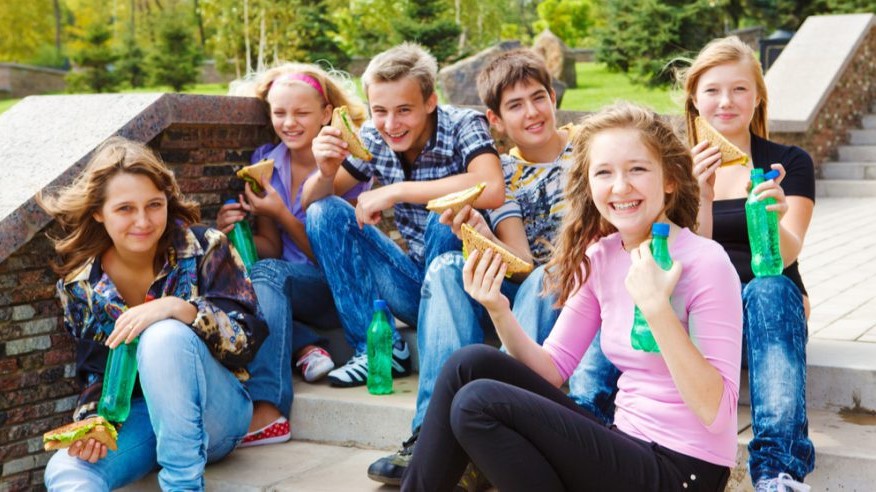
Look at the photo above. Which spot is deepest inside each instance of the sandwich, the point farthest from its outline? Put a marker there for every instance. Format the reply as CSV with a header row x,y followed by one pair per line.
x,y
730,154
473,240
456,200
257,173
349,133
91,428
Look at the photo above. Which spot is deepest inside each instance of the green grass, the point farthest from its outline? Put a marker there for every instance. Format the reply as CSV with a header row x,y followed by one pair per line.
x,y
598,87
6,104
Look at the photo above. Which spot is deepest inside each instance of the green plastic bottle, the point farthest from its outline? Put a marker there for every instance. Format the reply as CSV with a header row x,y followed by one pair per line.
x,y
641,337
118,382
763,230
242,240
379,341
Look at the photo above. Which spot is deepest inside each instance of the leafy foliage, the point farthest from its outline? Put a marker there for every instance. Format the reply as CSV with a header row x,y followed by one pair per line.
x,y
643,37
568,19
423,22
175,59
94,57
131,65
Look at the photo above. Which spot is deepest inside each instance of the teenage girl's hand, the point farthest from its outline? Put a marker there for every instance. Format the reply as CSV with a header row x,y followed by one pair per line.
x,y
771,189
482,277
706,160
648,284
469,216
91,450
372,203
329,150
271,205
229,214
135,320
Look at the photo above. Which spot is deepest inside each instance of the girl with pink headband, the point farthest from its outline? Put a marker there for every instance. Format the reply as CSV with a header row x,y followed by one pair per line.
x,y
292,292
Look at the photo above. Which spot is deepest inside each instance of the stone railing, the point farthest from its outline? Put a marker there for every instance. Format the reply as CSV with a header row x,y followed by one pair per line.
x,y
823,83
44,142
25,80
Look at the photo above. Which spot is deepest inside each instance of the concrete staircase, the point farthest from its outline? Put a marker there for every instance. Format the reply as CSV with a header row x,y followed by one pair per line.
x,y
854,174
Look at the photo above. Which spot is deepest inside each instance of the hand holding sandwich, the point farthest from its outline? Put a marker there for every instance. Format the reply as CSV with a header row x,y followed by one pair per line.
x,y
89,450
329,151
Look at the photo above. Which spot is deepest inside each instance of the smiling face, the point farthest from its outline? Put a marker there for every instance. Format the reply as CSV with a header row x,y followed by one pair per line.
x,y
526,115
134,214
298,112
726,96
401,115
627,183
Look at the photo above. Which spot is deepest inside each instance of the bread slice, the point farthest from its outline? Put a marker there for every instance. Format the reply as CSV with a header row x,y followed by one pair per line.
x,y
730,154
256,174
456,200
91,428
473,240
350,133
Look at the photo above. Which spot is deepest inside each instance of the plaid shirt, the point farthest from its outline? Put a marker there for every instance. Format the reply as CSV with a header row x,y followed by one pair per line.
x,y
460,136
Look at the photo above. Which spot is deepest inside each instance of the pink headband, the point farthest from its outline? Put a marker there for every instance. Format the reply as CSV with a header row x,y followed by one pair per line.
x,y
303,77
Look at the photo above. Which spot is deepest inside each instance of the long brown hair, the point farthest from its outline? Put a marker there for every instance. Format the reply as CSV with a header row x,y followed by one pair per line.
x,y
717,52
74,206
582,224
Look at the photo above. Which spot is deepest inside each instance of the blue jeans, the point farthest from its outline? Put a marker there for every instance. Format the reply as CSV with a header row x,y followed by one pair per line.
x,y
450,319
593,385
362,265
197,408
775,336
292,298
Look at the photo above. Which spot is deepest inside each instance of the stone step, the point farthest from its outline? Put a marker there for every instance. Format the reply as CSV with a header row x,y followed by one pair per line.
x,y
868,122
862,137
845,188
857,153
848,170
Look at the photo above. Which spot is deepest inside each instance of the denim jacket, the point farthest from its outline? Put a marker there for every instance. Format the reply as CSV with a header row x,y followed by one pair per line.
x,y
200,268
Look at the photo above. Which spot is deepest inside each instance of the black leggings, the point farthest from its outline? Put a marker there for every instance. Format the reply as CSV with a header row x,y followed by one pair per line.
x,y
525,434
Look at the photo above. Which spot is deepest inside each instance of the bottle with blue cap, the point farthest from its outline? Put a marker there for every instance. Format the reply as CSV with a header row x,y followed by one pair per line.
x,y
641,337
763,229
379,340
242,240
118,382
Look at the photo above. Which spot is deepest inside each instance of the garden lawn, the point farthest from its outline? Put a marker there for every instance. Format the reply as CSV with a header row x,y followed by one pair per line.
x,y
597,87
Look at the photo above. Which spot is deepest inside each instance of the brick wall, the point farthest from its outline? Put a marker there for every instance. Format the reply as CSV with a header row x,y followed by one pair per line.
x,y
850,99
37,391
22,80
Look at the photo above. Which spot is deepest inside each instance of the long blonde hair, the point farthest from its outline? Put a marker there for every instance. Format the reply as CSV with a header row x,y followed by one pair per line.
x,y
74,206
717,52
333,86
582,224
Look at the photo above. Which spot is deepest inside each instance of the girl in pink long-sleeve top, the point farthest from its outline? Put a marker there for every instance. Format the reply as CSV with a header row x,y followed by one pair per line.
x,y
675,423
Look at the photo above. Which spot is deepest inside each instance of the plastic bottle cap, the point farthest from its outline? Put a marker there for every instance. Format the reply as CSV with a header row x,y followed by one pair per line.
x,y
379,305
771,175
230,201
660,229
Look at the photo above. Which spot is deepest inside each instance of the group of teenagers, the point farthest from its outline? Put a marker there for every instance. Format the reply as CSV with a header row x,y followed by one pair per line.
x,y
217,344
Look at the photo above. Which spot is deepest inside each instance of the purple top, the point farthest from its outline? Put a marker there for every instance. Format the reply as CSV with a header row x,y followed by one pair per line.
x,y
281,180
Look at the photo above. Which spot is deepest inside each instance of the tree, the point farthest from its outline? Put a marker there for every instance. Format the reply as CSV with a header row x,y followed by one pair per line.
x,y
568,19
93,58
131,63
25,26
175,59
426,22
643,37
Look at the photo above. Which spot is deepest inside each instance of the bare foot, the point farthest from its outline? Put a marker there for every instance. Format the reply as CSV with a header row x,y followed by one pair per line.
x,y
263,413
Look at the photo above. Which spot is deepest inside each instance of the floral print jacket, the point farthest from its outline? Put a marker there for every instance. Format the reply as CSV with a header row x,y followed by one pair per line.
x,y
200,268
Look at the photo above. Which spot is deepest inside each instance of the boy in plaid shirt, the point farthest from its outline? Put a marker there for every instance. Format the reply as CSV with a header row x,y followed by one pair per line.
x,y
421,151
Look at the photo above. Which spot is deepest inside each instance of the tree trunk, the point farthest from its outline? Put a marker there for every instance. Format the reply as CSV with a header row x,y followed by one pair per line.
x,y
246,36
200,20
260,64
57,6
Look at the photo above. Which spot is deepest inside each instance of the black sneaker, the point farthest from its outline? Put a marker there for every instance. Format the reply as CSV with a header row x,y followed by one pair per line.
x,y
389,469
355,371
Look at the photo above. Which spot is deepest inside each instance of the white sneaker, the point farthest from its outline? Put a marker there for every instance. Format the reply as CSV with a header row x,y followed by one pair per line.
x,y
315,364
782,483
353,373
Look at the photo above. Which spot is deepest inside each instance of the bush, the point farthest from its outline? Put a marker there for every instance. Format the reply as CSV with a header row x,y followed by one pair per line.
x,y
424,24
175,59
131,64
93,60
643,37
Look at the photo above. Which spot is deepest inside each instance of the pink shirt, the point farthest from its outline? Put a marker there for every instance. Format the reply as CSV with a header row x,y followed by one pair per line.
x,y
707,301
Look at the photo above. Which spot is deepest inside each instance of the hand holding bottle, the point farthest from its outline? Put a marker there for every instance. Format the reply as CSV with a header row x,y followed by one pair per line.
x,y
771,188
